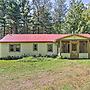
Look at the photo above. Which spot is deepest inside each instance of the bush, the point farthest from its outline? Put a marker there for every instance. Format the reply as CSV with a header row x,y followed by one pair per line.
x,y
39,55
54,56
51,56
34,55
11,58
27,58
59,57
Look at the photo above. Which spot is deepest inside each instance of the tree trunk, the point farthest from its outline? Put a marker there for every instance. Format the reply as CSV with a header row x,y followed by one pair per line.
x,y
4,27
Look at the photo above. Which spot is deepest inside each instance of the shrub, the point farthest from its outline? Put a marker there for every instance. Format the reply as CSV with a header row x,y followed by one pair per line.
x,y
53,56
59,57
11,58
34,55
39,55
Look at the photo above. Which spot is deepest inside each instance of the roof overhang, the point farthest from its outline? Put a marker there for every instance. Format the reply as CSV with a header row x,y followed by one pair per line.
x,y
27,42
74,37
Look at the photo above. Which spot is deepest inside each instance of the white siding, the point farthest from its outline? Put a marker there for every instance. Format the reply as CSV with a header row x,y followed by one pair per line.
x,y
83,55
65,55
27,49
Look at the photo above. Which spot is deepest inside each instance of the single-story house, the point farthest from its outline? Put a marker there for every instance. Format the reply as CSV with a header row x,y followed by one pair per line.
x,y
65,45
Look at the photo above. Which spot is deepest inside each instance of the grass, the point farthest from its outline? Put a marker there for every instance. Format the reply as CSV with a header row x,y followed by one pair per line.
x,y
44,74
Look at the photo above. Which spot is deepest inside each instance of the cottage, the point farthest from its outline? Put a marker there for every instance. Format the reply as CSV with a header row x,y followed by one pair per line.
x,y
65,45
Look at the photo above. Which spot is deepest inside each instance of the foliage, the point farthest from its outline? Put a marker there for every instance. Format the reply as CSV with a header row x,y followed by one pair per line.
x,y
86,16
3,12
75,22
43,16
25,11
13,14
41,19
60,10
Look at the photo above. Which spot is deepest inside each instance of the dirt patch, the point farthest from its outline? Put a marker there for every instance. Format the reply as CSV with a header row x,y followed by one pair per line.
x,y
75,76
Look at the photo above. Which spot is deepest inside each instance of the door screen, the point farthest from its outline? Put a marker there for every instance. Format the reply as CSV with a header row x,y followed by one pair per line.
x,y
74,47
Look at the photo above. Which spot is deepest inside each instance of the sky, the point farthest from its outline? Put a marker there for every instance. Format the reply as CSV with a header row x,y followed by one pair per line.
x,y
84,1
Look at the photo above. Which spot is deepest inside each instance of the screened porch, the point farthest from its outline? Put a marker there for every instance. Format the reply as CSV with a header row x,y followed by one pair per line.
x,y
74,49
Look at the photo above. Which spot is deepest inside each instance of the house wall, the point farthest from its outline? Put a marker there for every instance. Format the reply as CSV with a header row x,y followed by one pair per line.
x,y
0,50
83,55
88,49
27,49
65,55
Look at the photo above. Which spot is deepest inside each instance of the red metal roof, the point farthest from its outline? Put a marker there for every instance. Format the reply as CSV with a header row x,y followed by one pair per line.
x,y
36,37
85,35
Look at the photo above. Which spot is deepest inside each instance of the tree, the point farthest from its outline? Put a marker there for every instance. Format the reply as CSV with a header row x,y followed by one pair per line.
x,y
75,23
13,14
41,16
3,11
86,16
60,10
25,9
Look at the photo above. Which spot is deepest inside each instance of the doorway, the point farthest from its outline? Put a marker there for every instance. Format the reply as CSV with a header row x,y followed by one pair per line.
x,y
74,50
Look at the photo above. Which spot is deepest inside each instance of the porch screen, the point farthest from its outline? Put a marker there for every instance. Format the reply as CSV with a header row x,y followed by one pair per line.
x,y
65,47
83,47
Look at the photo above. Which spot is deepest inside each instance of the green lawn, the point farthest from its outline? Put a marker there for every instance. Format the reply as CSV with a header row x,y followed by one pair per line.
x,y
44,74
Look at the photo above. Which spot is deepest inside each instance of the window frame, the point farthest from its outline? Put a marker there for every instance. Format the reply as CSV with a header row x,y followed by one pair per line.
x,y
11,48
51,48
35,47
15,47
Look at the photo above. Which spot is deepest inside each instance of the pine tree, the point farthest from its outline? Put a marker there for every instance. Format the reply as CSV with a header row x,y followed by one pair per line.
x,y
25,15
60,9
3,11
86,16
14,15
75,23
41,16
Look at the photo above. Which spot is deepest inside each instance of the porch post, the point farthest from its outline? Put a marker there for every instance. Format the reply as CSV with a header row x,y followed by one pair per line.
x,y
60,49
70,48
78,47
88,48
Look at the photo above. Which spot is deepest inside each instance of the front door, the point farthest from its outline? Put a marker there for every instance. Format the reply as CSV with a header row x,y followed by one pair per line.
x,y
74,50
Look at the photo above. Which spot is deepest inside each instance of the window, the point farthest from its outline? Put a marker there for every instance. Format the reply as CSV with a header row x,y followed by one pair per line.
x,y
35,47
50,47
11,48
17,48
14,47
83,47
65,47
